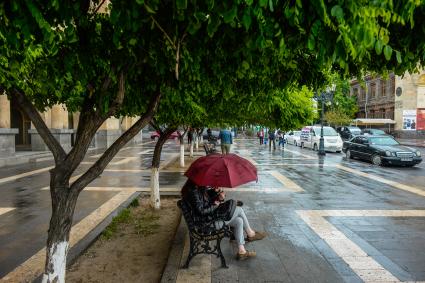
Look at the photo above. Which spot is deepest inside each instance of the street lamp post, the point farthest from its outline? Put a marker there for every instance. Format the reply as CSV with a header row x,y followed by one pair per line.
x,y
323,97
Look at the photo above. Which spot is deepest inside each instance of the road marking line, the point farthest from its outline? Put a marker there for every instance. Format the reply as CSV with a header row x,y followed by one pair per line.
x,y
396,185
286,182
362,264
22,175
4,210
34,266
124,160
146,151
145,170
297,164
301,154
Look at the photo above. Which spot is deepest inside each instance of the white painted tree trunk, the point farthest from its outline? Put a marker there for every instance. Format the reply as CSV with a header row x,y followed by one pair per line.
x,y
196,143
58,253
181,155
155,198
202,138
191,149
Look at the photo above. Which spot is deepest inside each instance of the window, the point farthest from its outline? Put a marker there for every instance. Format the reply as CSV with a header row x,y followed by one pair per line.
x,y
372,90
383,88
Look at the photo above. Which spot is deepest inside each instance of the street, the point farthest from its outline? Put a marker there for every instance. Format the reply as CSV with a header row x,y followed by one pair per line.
x,y
328,219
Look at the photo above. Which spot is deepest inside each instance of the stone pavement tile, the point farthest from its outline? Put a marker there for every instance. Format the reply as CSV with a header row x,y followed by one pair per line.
x,y
303,264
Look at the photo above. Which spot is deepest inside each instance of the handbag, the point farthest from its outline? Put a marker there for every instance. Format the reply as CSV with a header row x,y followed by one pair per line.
x,y
225,210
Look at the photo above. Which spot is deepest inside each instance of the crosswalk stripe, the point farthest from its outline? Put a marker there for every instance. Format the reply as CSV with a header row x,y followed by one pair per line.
x,y
26,174
4,210
287,183
394,184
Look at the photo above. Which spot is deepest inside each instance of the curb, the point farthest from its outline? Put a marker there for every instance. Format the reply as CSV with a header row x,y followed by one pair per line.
x,y
171,270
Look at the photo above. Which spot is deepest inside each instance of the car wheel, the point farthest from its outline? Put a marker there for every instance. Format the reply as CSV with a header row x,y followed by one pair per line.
x,y
302,145
315,147
377,160
348,154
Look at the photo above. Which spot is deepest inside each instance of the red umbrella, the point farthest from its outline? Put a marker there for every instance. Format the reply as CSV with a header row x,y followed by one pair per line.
x,y
218,170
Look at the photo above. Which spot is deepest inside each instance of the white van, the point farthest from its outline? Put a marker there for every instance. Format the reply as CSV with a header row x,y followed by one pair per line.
x,y
310,138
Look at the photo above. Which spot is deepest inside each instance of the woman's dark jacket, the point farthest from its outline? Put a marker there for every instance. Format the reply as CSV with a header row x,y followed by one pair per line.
x,y
201,202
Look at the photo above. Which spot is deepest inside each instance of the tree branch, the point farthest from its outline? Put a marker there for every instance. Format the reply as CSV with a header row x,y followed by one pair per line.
x,y
178,56
156,158
28,108
97,168
165,34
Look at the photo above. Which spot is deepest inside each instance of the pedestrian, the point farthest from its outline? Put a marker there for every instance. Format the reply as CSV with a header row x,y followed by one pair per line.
x,y
204,207
260,135
272,138
189,137
281,140
226,139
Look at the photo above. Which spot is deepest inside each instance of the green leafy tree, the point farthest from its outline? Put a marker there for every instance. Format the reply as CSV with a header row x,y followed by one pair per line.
x,y
337,118
120,62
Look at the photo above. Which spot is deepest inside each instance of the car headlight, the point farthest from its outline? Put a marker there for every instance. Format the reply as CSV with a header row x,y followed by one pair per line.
x,y
393,154
418,153
388,153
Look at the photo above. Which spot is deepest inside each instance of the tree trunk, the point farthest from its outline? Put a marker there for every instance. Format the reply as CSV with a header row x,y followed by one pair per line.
x,y
155,196
181,154
156,159
63,205
191,149
196,142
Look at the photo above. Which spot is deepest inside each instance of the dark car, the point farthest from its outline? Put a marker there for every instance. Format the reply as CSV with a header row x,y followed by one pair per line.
x,y
213,137
381,150
348,132
373,132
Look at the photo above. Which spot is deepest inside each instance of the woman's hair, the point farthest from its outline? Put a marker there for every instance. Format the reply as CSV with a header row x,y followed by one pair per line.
x,y
189,185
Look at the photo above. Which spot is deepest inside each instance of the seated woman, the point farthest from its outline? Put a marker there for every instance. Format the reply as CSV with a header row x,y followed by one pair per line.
x,y
204,205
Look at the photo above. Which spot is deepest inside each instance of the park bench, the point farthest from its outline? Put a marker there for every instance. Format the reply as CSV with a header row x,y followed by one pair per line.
x,y
205,236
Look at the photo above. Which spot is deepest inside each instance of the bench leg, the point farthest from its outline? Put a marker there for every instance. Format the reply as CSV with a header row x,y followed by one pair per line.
x,y
220,254
190,255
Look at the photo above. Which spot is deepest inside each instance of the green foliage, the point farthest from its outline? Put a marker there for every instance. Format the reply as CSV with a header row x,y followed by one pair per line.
x,y
123,217
337,118
143,222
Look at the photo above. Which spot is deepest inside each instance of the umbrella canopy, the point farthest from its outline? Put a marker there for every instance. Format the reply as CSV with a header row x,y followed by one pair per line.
x,y
218,170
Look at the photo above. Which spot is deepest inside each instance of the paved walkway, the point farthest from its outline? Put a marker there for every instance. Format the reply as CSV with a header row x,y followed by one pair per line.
x,y
329,220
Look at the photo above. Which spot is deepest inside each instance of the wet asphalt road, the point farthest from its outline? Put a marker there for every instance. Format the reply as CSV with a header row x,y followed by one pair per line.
x,y
296,250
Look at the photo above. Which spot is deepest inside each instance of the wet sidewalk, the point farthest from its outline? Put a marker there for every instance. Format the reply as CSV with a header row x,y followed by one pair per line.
x,y
328,220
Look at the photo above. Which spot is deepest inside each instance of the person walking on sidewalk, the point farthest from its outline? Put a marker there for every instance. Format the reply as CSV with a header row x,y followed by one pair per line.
x,y
272,138
203,207
260,135
189,137
226,139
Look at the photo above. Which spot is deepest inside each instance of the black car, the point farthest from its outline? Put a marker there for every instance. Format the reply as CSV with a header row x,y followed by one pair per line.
x,y
373,132
381,150
348,132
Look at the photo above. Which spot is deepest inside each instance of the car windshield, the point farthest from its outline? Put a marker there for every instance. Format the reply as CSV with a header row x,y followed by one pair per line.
x,y
355,131
327,131
297,133
377,132
383,141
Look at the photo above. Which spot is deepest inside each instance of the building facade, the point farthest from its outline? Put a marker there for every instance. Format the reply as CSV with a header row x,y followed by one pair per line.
x,y
18,134
375,98
399,98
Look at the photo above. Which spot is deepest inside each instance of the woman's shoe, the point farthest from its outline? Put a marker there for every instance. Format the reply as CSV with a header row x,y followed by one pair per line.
x,y
245,255
258,236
